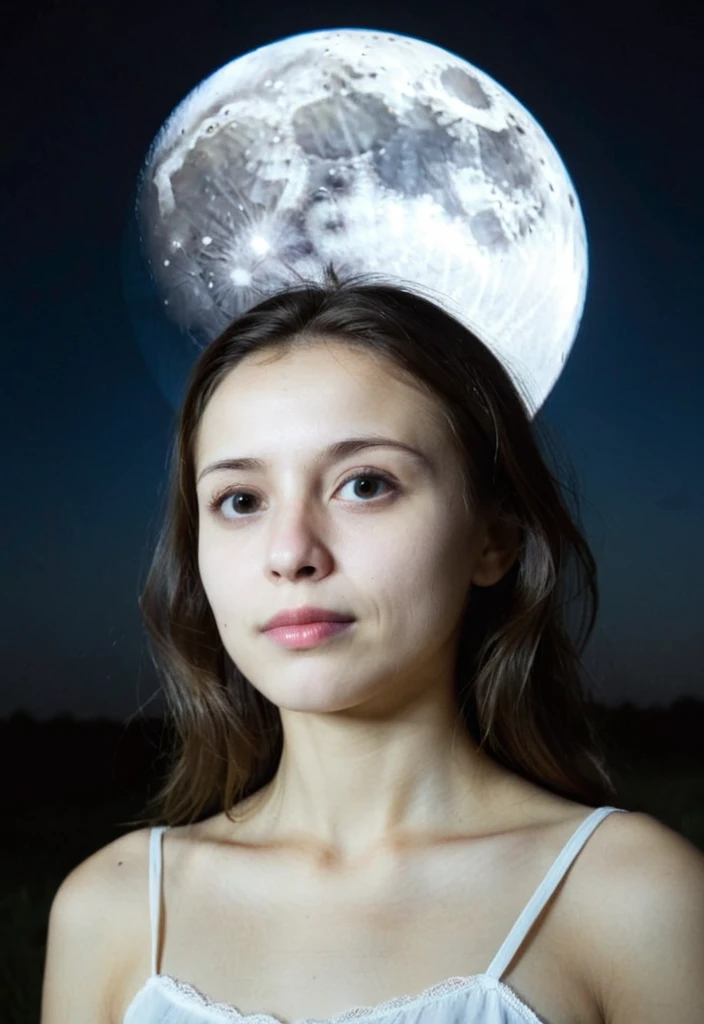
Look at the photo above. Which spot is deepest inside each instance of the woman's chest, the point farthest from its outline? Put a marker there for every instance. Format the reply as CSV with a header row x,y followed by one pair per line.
x,y
297,947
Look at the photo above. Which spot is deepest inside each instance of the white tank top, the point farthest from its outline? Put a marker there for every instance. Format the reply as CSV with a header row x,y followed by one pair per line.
x,y
478,999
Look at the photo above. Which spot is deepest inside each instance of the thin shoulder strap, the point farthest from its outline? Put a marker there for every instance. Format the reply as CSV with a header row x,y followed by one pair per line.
x,y
546,888
155,860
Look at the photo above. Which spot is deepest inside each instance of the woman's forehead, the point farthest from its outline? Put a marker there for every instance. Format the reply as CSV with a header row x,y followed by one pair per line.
x,y
317,394
329,356
306,400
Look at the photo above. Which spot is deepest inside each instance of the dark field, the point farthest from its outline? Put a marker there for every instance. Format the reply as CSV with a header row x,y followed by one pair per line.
x,y
70,784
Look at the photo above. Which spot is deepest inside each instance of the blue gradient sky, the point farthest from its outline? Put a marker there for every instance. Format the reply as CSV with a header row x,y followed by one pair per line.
x,y
87,430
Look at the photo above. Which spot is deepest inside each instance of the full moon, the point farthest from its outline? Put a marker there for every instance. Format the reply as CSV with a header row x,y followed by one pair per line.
x,y
379,153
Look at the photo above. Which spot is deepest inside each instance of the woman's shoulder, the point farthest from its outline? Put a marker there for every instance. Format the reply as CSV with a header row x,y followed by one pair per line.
x,y
92,922
643,905
111,871
106,875
633,911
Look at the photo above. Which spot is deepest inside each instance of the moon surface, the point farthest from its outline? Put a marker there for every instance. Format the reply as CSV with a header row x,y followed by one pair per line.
x,y
380,153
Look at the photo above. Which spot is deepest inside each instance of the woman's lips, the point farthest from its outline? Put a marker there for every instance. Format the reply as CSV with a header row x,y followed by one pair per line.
x,y
309,635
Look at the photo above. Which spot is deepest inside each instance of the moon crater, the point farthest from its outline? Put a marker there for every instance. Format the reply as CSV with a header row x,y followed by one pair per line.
x,y
382,154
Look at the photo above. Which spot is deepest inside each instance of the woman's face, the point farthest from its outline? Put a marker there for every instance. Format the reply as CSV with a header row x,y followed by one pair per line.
x,y
396,552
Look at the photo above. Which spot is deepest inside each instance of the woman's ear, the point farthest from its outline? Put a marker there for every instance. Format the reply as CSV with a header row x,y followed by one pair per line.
x,y
502,544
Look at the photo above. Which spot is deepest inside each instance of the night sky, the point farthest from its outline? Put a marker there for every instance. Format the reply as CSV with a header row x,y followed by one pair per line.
x,y
87,430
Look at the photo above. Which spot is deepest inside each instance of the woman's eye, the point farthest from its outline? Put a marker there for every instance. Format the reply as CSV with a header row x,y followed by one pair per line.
x,y
242,500
370,484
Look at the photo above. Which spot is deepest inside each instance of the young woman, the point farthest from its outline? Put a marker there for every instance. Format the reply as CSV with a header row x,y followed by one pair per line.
x,y
387,800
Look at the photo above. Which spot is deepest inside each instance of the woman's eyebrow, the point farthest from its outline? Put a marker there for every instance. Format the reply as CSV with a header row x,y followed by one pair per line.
x,y
334,452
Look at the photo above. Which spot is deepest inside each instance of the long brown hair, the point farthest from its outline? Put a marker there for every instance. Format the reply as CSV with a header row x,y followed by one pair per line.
x,y
518,678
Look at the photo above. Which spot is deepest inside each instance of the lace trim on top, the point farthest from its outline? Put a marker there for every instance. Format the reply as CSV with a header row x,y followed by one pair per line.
x,y
357,1013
